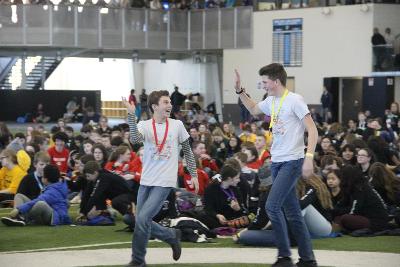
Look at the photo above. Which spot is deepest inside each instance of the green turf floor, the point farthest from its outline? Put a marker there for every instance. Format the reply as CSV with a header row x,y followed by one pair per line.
x,y
45,237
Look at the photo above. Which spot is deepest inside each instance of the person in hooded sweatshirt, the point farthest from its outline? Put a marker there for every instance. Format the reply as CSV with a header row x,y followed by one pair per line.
x,y
49,208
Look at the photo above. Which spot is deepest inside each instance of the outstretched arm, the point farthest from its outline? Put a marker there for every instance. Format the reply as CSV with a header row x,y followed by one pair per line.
x,y
135,136
250,104
191,163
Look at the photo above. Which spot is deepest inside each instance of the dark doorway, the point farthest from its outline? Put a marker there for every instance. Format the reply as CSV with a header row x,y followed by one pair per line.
x,y
332,85
351,98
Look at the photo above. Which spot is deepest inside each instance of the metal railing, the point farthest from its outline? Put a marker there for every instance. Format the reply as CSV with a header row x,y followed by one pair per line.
x,y
385,58
94,27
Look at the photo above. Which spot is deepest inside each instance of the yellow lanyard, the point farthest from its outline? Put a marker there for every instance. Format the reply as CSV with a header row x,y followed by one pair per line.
x,y
274,117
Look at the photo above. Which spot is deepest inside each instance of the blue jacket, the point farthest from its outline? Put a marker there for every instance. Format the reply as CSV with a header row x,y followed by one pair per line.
x,y
55,195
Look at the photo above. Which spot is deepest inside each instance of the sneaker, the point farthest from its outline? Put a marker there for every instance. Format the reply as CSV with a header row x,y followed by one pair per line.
x,y
176,245
302,263
283,262
12,221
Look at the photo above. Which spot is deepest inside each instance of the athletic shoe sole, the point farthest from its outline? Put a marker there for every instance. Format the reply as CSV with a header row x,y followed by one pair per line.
x,y
12,222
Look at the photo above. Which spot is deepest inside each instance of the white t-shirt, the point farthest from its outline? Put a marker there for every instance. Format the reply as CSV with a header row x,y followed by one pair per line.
x,y
288,131
161,169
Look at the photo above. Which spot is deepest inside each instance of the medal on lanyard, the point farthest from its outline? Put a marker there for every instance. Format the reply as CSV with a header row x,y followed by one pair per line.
x,y
274,117
161,146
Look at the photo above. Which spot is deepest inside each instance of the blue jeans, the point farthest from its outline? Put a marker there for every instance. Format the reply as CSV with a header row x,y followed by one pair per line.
x,y
261,238
149,202
282,198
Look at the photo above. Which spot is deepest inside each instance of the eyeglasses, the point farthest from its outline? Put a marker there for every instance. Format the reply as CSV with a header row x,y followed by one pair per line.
x,y
363,156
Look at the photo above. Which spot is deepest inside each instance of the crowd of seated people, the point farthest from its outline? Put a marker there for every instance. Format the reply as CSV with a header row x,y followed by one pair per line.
x,y
355,188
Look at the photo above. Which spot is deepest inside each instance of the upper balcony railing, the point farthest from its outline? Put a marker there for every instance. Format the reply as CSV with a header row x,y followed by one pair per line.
x,y
385,59
94,27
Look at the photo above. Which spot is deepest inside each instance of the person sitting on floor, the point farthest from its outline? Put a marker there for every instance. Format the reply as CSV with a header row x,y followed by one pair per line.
x,y
49,208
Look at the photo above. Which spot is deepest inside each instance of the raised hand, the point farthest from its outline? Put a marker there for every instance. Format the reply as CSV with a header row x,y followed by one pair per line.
x,y
129,106
237,81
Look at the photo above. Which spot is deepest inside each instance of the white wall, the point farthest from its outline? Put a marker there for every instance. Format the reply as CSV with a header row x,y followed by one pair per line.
x,y
183,73
113,77
334,45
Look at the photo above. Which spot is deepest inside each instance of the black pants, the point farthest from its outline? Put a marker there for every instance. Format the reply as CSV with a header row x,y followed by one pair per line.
x,y
122,203
6,196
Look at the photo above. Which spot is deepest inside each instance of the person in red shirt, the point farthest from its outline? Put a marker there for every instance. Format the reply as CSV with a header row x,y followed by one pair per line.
x,y
59,154
138,165
206,162
203,177
261,146
252,157
121,163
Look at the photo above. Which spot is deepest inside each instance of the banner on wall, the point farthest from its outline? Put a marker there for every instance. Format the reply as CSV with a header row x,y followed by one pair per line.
x,y
287,42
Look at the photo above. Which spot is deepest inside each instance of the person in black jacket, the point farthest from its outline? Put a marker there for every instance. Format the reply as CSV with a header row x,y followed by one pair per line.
x,y
361,206
223,201
104,185
378,42
31,185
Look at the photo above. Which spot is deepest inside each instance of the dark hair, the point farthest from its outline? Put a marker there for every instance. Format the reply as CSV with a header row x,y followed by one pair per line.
x,y
352,148
241,156
86,158
87,128
329,159
91,167
103,150
154,98
120,150
60,136
370,154
196,144
274,71
359,143
88,141
228,171
234,163
69,128
351,180
20,135
51,173
117,141
253,151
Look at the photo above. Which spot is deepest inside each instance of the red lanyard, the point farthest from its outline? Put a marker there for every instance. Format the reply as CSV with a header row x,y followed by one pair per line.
x,y
160,148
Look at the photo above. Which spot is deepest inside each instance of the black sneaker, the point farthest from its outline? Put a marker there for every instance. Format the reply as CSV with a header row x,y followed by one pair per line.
x,y
12,221
302,263
176,245
283,262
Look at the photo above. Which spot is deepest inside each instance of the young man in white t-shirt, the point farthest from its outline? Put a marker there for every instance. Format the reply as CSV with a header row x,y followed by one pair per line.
x,y
161,137
289,118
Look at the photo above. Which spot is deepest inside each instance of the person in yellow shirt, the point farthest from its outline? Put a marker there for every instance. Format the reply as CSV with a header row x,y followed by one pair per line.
x,y
247,135
11,175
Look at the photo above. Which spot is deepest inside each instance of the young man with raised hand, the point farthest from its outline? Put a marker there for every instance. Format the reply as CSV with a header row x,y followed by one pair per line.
x,y
161,137
289,118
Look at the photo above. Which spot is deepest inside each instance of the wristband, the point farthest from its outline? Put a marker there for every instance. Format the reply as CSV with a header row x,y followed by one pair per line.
x,y
241,91
309,155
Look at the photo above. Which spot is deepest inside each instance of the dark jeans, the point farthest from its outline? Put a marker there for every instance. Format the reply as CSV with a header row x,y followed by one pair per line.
x,y
282,198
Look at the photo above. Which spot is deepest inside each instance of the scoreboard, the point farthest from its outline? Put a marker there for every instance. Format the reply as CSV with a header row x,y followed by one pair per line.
x,y
287,46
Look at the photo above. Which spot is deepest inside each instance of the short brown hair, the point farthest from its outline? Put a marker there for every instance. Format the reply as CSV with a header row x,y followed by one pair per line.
x,y
241,156
154,98
274,71
91,167
41,156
